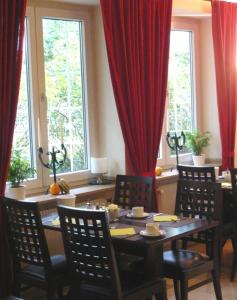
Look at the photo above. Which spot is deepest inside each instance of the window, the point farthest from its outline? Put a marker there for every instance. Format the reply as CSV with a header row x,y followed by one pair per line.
x,y
180,112
23,132
52,106
63,63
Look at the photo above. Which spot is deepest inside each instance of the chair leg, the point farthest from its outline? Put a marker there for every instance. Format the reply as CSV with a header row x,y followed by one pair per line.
x,y
233,267
162,295
177,289
51,294
17,288
234,260
217,285
184,289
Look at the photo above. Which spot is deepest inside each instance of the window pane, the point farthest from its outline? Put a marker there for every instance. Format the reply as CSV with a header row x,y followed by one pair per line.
x,y
23,137
63,58
180,83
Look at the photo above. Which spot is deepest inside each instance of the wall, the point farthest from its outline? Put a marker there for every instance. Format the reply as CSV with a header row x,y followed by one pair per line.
x,y
208,105
109,132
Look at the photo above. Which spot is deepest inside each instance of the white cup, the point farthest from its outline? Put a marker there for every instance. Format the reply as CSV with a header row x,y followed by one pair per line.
x,y
67,200
217,172
138,211
152,229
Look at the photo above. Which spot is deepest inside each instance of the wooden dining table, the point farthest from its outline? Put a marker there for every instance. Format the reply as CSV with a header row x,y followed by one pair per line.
x,y
149,248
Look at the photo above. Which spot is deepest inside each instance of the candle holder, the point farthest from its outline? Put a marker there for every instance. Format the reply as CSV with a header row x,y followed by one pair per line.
x,y
176,142
53,163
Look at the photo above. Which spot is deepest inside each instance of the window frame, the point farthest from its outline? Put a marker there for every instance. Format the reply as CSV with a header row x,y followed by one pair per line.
x,y
167,160
37,85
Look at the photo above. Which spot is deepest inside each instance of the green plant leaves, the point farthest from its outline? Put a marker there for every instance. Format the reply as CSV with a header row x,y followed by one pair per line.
x,y
196,141
19,169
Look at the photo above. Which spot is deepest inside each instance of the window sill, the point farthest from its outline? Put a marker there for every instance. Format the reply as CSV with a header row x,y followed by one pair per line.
x,y
83,194
167,177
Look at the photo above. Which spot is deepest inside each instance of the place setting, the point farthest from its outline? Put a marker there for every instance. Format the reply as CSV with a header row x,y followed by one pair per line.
x,y
152,230
137,212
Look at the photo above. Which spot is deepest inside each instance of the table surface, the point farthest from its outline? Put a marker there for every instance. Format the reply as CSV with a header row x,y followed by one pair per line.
x,y
174,230
150,248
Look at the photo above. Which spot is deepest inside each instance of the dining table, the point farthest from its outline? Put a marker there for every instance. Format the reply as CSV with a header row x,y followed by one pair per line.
x,y
150,248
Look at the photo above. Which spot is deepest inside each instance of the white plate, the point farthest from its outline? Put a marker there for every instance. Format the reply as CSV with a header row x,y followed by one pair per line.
x,y
130,215
145,234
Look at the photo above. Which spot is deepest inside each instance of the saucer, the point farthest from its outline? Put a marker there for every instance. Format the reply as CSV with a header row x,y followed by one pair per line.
x,y
130,215
161,233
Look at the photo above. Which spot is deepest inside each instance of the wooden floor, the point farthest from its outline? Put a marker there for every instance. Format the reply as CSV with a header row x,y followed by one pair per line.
x,y
229,289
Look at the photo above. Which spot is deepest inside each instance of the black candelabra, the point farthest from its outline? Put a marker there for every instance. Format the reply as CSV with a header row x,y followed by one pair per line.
x,y
54,163
176,142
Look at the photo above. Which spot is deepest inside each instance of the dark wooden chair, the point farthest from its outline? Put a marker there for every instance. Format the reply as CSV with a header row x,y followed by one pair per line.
x,y
92,264
33,266
196,173
230,213
134,191
11,298
203,200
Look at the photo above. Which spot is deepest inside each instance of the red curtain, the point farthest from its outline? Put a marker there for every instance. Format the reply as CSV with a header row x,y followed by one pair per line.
x,y
12,15
224,28
137,34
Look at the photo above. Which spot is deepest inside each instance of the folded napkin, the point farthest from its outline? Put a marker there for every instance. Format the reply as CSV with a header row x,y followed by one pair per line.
x,y
226,185
122,231
165,218
56,222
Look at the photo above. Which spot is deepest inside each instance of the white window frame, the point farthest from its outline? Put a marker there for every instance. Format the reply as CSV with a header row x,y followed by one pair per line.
x,y
39,102
166,159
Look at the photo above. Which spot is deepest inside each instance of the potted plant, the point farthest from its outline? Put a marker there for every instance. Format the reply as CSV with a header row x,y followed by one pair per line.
x,y
19,170
196,141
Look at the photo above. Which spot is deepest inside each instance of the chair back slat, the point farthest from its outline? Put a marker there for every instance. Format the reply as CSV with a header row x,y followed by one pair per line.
x,y
199,199
196,173
26,234
233,173
202,200
134,191
88,248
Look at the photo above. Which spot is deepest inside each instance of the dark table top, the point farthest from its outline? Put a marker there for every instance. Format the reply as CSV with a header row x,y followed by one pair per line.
x,y
173,230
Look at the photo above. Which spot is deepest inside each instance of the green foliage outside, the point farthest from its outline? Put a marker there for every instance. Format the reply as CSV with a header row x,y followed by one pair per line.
x,y
64,89
62,42
19,169
196,141
180,104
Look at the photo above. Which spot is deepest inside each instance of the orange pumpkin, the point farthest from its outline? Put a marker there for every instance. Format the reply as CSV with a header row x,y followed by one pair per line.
x,y
158,171
54,189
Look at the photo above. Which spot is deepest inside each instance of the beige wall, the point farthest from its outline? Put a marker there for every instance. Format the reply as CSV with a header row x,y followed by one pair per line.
x,y
208,105
110,138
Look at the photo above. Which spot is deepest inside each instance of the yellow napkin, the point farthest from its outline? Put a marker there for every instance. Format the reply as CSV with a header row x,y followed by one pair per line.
x,y
56,222
226,185
122,231
165,218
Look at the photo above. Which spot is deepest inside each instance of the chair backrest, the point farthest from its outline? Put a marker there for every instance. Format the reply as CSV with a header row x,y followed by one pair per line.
x,y
134,191
199,199
89,252
233,173
26,234
196,173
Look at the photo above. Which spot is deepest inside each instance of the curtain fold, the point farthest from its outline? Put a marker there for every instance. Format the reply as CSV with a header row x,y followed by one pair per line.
x,y
224,29
137,34
12,16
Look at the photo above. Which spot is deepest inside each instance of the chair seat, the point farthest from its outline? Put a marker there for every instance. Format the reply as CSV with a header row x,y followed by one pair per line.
x,y
131,284
58,264
184,259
